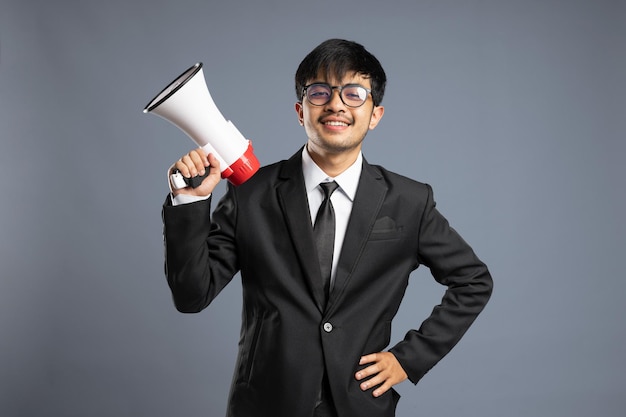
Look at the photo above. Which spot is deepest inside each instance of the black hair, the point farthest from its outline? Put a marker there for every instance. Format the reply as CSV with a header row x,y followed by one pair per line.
x,y
338,57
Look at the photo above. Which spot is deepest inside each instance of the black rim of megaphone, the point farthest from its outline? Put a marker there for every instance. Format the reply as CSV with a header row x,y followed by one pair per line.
x,y
152,104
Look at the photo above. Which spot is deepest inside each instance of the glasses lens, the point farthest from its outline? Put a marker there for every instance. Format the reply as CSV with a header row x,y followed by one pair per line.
x,y
319,94
354,95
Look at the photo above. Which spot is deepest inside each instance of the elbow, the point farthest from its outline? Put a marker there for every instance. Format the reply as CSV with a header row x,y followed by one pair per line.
x,y
483,286
187,306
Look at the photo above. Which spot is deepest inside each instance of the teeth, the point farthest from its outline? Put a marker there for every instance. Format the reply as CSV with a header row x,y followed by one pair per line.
x,y
336,123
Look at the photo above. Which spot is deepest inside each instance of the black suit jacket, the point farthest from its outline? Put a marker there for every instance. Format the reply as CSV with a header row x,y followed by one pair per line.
x,y
288,338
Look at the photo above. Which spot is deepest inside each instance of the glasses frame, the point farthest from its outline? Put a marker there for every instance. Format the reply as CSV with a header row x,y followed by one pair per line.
x,y
335,87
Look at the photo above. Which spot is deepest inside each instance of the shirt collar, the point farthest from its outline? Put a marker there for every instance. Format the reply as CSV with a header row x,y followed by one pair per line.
x,y
348,180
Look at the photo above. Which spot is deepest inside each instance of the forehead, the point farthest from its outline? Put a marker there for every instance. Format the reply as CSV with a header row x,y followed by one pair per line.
x,y
348,78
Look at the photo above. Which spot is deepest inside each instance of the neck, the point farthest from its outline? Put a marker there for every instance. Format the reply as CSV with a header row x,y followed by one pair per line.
x,y
332,164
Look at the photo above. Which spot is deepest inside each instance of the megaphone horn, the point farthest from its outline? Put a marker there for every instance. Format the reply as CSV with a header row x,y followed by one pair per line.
x,y
187,104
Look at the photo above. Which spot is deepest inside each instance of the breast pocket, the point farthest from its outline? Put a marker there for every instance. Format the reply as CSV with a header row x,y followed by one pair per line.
x,y
385,228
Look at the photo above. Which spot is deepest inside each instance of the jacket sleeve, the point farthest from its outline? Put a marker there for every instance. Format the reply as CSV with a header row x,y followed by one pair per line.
x,y
454,264
200,254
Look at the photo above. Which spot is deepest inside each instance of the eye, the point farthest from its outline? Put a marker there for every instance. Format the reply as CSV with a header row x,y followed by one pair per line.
x,y
318,91
355,93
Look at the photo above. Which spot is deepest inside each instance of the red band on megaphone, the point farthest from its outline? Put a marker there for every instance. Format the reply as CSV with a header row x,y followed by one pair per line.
x,y
243,168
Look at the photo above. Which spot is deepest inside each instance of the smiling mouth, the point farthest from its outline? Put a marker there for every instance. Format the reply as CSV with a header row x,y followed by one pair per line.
x,y
336,123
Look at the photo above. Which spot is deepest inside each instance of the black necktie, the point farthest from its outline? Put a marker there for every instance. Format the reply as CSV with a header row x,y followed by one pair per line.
x,y
324,233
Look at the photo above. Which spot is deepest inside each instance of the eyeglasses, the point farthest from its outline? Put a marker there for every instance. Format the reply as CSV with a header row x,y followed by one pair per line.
x,y
352,95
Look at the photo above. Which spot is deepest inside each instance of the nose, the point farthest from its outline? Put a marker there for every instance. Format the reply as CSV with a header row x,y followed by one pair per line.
x,y
335,103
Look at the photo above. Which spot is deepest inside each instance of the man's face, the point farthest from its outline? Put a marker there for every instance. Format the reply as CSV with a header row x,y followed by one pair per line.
x,y
334,127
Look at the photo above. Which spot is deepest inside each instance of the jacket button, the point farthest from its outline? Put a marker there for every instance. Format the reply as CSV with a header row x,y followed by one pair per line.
x,y
328,327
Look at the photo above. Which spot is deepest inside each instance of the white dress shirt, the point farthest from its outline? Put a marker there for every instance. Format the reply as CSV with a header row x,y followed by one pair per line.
x,y
342,198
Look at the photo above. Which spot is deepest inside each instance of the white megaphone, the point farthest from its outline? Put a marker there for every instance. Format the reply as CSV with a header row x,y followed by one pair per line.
x,y
187,103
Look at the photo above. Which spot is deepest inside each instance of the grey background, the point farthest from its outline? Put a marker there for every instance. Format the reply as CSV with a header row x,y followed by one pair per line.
x,y
512,110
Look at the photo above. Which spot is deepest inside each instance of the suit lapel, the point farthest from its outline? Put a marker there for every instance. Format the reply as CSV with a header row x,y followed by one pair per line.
x,y
368,200
294,205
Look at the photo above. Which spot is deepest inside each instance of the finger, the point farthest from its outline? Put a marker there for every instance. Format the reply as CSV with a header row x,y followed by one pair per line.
x,y
213,162
199,161
189,167
382,382
372,382
194,164
370,370
372,357
191,164
183,167
382,389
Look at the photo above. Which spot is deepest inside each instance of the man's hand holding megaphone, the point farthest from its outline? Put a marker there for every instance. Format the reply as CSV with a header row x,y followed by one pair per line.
x,y
187,103
197,163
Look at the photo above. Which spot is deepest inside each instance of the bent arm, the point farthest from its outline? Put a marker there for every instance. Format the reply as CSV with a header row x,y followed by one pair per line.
x,y
454,264
200,254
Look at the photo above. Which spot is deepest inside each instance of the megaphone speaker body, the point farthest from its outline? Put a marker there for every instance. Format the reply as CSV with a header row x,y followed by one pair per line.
x,y
187,103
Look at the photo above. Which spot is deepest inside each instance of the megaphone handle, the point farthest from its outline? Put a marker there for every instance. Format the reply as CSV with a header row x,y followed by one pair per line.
x,y
178,181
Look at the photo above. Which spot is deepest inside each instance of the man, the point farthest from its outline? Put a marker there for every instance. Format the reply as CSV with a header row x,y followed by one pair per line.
x,y
316,320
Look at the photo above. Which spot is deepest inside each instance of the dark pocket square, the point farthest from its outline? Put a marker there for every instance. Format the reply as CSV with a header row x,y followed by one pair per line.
x,y
384,224
385,228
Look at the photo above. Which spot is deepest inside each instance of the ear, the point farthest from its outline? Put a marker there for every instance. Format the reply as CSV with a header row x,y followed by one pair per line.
x,y
300,111
377,114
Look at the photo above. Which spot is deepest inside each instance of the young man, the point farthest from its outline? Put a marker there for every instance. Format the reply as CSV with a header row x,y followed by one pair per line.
x,y
317,316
